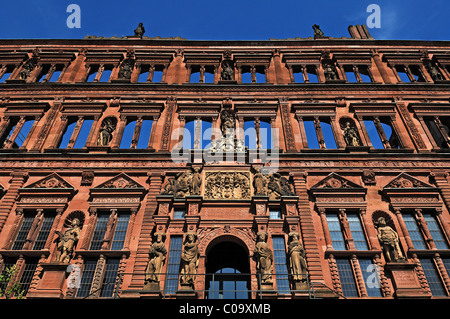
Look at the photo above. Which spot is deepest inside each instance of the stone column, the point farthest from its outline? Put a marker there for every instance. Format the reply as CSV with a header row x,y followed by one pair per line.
x,y
30,133
75,132
137,131
115,143
402,224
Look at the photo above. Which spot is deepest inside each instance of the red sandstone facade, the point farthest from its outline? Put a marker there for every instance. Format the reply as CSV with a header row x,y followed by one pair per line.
x,y
48,176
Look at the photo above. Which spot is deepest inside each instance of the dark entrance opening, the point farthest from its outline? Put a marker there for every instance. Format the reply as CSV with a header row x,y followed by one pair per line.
x,y
228,272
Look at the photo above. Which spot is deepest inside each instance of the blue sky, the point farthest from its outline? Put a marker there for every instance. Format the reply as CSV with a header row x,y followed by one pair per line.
x,y
224,20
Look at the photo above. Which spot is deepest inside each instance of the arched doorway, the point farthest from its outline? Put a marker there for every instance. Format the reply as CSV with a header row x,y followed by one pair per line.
x,y
228,272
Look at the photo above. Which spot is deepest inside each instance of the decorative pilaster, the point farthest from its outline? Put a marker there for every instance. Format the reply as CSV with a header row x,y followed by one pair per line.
x,y
308,231
151,204
8,200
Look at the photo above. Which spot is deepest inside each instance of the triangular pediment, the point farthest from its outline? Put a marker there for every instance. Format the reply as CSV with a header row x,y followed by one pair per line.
x,y
52,192
121,181
52,181
335,181
406,181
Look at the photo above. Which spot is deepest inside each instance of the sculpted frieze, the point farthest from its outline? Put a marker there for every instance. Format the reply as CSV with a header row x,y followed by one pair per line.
x,y
227,185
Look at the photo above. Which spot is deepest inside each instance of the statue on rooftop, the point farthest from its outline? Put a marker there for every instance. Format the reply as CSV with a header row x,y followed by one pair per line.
x,y
318,33
140,30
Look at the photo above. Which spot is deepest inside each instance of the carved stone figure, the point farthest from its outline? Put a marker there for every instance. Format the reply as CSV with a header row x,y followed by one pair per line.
x,y
260,183
317,32
389,241
227,185
126,68
351,135
433,70
157,253
196,181
68,241
278,186
264,258
28,67
227,70
105,135
297,259
227,141
184,184
140,30
227,125
329,70
189,260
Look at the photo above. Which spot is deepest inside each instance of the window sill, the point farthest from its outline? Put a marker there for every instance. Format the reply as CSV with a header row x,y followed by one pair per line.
x,y
106,253
349,253
323,150
25,253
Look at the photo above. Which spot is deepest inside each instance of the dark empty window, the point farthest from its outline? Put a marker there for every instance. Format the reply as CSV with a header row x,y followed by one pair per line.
x,y
439,128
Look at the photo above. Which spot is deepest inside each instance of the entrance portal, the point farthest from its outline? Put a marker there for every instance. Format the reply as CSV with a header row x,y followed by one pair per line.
x,y
228,272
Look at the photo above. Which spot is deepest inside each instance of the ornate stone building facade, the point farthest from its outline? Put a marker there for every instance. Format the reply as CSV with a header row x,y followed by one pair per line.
x,y
169,168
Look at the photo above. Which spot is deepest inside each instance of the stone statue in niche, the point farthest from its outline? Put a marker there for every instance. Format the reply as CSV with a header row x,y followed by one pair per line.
x,y
227,125
433,70
318,33
126,67
227,141
28,67
350,135
157,253
189,260
105,135
297,259
227,70
389,241
264,258
68,241
140,30
329,70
